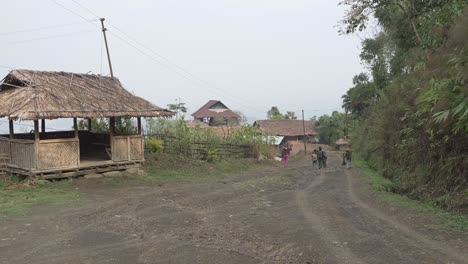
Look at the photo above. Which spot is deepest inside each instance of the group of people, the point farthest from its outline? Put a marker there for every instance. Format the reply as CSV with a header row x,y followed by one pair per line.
x,y
319,157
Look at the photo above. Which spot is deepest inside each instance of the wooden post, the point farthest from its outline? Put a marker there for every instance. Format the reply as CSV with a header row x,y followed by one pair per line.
x,y
36,130
305,138
36,141
112,125
111,133
43,125
12,129
75,127
89,124
128,148
104,29
139,125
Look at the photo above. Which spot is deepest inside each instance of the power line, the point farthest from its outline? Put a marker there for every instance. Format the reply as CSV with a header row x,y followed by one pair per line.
x,y
87,9
220,93
44,28
162,57
44,38
75,13
169,62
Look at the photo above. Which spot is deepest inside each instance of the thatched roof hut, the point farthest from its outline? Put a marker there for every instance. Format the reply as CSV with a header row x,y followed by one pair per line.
x,y
32,95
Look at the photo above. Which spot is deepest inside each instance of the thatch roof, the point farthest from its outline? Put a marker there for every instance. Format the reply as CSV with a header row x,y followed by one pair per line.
x,y
29,95
215,108
286,127
342,142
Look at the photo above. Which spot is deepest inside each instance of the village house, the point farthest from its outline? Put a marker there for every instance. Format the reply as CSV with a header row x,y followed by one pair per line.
x,y
342,143
215,113
291,130
41,96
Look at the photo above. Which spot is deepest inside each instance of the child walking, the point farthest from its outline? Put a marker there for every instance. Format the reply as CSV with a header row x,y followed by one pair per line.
x,y
314,159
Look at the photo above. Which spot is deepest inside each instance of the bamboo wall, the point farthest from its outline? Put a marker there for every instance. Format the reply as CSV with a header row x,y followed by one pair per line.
x,y
5,147
23,153
64,153
58,153
127,148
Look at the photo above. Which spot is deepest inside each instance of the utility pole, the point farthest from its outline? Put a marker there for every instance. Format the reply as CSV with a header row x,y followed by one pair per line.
x,y
305,138
104,29
177,109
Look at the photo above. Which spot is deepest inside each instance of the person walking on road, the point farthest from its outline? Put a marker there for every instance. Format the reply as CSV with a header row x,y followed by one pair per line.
x,y
325,158
348,158
320,158
285,152
314,159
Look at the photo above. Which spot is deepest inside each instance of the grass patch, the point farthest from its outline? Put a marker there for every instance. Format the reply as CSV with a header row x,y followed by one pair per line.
x,y
385,187
15,202
171,167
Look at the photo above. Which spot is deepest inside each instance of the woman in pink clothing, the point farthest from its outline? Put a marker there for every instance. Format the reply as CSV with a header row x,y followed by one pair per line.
x,y
285,152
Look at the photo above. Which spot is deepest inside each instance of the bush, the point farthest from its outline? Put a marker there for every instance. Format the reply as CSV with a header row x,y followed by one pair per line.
x,y
212,155
155,145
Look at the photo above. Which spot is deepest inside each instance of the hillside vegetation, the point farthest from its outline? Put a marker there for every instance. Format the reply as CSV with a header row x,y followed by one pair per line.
x,y
410,109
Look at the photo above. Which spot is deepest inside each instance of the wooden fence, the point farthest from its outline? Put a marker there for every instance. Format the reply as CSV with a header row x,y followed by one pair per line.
x,y
3,163
200,150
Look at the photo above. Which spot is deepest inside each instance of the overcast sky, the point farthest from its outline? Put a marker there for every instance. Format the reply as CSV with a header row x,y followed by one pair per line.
x,y
250,54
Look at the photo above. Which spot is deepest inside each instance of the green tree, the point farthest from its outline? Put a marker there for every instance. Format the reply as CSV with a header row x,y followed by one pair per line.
x,y
178,107
331,127
290,115
411,107
123,125
274,113
97,125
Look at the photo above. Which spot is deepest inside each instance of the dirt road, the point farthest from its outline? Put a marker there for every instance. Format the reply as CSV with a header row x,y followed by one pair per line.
x,y
269,215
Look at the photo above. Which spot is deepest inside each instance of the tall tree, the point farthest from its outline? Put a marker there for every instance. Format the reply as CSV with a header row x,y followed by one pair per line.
x,y
274,113
178,107
290,115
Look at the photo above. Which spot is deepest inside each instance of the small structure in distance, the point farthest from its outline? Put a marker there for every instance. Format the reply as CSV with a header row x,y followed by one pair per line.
x,y
291,130
342,143
216,113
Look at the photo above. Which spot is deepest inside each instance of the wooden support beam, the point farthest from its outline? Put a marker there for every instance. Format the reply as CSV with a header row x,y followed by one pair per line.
x,y
12,129
75,126
43,125
36,142
111,133
89,124
112,125
139,125
36,130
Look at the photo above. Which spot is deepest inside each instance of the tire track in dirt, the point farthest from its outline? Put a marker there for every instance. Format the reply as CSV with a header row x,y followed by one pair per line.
x,y
343,254
406,232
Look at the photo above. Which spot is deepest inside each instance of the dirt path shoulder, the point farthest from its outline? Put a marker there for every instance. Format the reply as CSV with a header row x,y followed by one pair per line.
x,y
271,215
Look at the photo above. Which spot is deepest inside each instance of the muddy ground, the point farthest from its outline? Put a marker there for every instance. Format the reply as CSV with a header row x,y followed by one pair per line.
x,y
267,215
